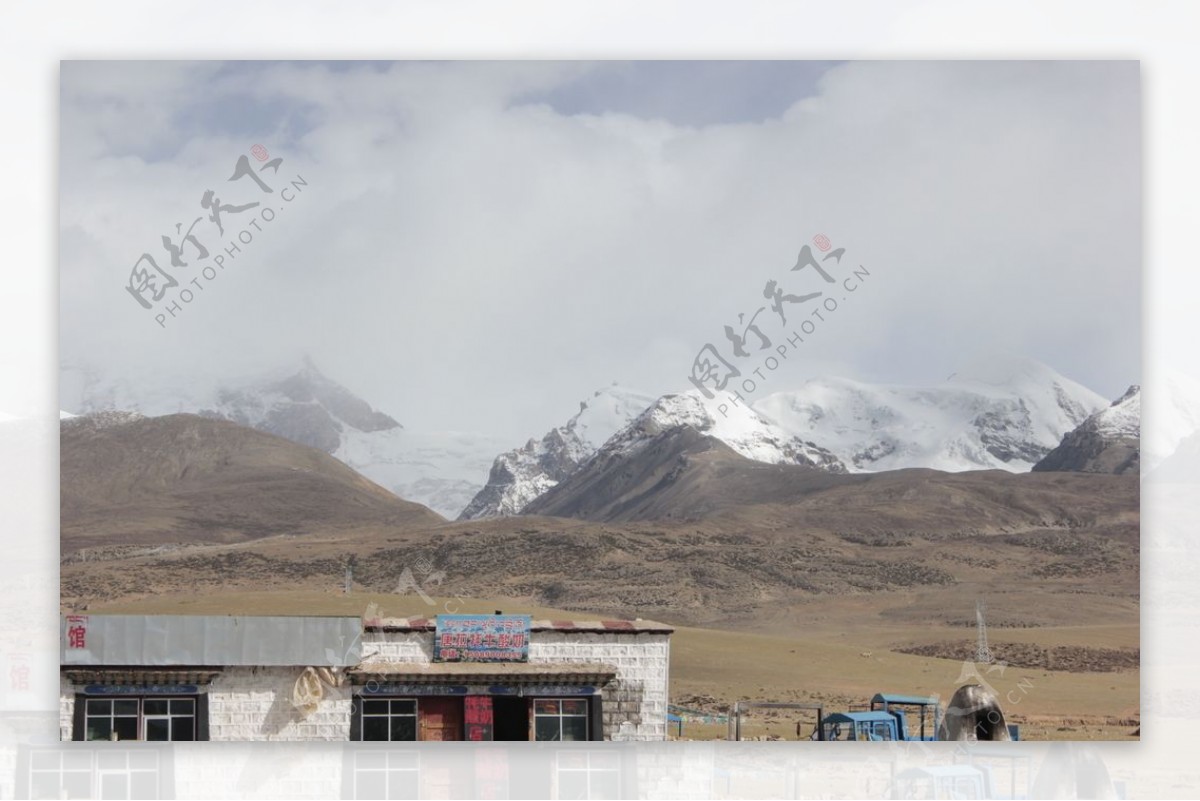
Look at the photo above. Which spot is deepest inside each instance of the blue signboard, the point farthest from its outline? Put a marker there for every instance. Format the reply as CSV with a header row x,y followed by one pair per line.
x,y
481,638
371,688
141,689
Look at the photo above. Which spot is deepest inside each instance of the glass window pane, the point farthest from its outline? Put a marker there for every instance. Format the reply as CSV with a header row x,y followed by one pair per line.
x,y
605,784
574,728
144,785
183,729
370,784
375,728
99,728
404,727
46,785
114,785
375,707
158,729
544,706
546,728
403,760
99,706
76,785
126,728
573,784
574,706
125,706
404,706
403,784
143,759
154,706
183,706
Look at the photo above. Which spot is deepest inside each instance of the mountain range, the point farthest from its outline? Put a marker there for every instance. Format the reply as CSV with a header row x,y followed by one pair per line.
x,y
680,526
128,480
998,413
442,470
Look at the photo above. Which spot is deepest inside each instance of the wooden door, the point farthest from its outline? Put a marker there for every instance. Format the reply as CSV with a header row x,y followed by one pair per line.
x,y
441,719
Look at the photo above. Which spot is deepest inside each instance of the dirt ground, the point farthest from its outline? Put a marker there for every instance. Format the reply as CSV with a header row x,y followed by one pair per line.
x,y
821,658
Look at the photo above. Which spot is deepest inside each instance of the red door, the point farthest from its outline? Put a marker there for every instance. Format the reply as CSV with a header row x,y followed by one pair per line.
x,y
441,718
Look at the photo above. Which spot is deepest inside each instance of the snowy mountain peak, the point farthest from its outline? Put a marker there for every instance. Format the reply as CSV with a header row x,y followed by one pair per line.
x,y
616,421
1006,415
1124,417
737,425
1003,370
604,413
1107,442
522,474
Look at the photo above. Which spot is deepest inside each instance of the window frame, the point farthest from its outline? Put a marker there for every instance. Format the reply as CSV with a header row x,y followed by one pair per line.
x,y
83,714
585,717
359,715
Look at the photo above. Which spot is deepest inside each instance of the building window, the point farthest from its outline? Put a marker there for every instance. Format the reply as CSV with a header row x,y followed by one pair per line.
x,y
388,719
97,772
588,774
385,774
139,718
169,718
560,719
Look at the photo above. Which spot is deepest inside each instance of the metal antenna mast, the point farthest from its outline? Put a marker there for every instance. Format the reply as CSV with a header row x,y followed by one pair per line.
x,y
983,654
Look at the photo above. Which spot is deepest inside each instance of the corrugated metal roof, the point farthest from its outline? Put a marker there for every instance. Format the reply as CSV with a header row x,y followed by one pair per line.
x,y
607,626
134,640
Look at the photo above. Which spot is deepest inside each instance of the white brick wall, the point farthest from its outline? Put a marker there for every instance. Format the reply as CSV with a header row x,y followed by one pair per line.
x,y
254,703
642,662
397,646
640,691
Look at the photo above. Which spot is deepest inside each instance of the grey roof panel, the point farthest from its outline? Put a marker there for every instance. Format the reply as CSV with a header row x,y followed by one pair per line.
x,y
210,640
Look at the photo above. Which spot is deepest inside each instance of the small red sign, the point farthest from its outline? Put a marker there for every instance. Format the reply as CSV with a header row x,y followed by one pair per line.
x,y
259,152
822,242
77,631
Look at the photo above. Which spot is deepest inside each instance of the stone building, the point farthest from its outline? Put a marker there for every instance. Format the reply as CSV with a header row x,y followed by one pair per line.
x,y
453,677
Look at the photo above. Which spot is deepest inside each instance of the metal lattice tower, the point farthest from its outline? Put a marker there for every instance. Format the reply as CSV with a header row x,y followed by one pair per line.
x,y
983,654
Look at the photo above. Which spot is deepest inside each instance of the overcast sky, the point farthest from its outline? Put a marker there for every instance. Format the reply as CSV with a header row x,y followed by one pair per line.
x,y
480,245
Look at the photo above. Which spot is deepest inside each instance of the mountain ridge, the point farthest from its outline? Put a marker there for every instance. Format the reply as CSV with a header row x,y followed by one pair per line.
x,y
129,479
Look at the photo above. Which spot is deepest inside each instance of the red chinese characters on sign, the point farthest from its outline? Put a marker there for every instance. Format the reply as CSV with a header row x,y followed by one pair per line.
x,y
477,717
77,631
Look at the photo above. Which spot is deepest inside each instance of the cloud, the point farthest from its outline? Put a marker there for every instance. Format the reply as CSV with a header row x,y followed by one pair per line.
x,y
474,251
